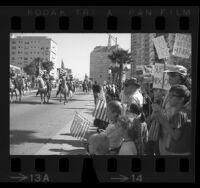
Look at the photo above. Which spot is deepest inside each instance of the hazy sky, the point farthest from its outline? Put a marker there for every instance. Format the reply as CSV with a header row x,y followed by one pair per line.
x,y
75,49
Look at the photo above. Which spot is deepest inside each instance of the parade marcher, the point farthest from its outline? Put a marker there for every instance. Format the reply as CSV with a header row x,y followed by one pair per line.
x,y
178,125
59,85
96,91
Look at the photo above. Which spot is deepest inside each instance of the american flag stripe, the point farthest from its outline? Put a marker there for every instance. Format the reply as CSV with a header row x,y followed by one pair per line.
x,y
101,106
75,126
100,111
80,131
85,129
74,123
79,127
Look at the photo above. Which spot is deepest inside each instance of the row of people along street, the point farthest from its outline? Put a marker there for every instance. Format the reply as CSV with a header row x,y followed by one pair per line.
x,y
143,120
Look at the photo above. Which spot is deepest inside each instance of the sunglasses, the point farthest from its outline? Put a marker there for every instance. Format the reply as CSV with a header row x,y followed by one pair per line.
x,y
173,74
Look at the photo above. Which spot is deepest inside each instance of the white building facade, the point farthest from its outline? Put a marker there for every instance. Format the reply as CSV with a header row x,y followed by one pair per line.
x,y
23,50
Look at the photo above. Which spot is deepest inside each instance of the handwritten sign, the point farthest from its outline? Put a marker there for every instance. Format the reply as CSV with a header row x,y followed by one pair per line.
x,y
161,47
144,70
158,81
182,45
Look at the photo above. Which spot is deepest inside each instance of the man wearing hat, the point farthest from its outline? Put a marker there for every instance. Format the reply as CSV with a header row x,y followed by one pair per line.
x,y
132,93
177,75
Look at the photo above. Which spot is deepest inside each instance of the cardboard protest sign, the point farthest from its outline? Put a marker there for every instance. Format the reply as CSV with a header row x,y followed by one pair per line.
x,y
139,69
158,81
182,45
161,47
144,70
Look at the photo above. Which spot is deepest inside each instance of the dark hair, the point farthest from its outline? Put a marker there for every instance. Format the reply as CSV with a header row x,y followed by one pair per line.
x,y
115,106
134,108
182,91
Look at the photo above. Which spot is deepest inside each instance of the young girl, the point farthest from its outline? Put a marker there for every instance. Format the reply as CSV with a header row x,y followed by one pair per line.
x,y
130,134
114,131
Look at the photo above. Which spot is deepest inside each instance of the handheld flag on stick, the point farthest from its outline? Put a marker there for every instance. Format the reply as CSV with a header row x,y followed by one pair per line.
x,y
79,127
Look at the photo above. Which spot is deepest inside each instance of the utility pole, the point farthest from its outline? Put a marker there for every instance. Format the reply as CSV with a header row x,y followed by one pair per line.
x,y
109,40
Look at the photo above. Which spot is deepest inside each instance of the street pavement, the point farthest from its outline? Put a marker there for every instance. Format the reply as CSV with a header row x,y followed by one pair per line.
x,y
44,129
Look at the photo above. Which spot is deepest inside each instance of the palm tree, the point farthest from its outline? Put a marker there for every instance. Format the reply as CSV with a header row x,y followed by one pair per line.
x,y
121,57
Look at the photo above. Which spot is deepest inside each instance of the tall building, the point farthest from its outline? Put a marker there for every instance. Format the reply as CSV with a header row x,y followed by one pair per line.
x,y
142,49
100,63
23,50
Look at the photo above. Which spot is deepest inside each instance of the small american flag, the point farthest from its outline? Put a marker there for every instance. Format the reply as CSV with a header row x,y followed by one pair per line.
x,y
100,110
80,127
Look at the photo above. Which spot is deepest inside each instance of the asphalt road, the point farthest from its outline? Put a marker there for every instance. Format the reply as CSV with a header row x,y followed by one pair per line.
x,y
43,129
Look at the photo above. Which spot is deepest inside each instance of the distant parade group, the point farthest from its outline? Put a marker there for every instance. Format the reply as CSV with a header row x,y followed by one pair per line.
x,y
19,84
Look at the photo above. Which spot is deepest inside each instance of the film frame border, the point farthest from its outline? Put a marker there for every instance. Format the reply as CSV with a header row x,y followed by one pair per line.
x,y
98,16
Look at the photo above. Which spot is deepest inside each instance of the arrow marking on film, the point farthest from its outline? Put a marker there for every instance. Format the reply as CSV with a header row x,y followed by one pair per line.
x,y
21,177
122,178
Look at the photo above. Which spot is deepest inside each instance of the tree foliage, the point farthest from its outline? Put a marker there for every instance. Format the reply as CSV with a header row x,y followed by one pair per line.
x,y
32,69
121,56
48,66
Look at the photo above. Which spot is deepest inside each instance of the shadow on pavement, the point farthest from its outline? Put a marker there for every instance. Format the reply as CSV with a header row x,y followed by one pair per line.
x,y
31,102
18,137
70,152
65,134
89,109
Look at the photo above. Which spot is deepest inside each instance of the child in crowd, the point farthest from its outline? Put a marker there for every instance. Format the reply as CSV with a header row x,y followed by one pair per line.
x,y
138,119
113,131
98,144
130,135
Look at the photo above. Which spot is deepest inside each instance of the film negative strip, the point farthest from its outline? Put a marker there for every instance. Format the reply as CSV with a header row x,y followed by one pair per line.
x,y
36,145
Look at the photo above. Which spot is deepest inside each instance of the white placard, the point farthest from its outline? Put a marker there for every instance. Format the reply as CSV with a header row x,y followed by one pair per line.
x,y
161,47
182,45
158,77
